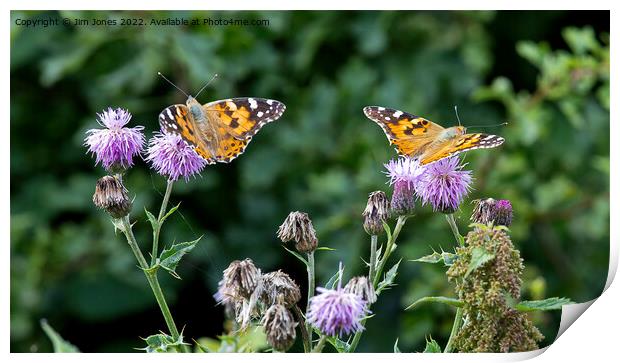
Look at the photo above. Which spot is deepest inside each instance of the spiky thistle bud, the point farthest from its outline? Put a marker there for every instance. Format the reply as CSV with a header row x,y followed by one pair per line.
x,y
298,227
278,287
377,211
279,326
361,287
111,196
241,278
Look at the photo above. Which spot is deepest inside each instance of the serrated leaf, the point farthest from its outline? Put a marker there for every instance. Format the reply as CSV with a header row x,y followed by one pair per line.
x,y
172,210
479,256
339,345
170,257
151,218
440,299
300,257
60,345
552,303
388,280
432,346
446,257
396,350
161,343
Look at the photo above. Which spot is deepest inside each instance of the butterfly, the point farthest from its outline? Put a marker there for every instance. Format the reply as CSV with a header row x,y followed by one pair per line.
x,y
219,131
424,140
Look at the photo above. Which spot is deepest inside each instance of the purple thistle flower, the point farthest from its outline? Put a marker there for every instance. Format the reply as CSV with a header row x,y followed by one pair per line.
x,y
336,311
444,185
404,174
172,157
115,145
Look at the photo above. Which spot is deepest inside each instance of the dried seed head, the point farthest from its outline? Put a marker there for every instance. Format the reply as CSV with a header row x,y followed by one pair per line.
x,y
361,287
241,278
377,211
298,227
279,326
503,214
497,212
111,196
279,288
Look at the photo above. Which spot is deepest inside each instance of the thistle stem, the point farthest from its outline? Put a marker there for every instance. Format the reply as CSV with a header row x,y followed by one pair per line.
x,y
458,318
311,279
151,277
320,344
373,257
156,230
302,327
377,275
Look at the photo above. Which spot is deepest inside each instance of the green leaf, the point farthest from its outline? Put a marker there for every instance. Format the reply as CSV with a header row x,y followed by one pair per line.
x,y
325,249
118,225
446,257
479,256
300,257
172,210
341,346
201,348
396,350
388,231
60,345
553,303
151,218
331,283
162,343
432,346
170,257
389,278
440,299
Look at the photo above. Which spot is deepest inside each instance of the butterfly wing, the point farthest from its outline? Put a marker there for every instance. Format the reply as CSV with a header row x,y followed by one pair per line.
x,y
242,117
459,144
177,120
409,133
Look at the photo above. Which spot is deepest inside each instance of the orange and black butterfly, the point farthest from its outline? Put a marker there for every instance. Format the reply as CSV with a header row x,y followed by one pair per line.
x,y
420,138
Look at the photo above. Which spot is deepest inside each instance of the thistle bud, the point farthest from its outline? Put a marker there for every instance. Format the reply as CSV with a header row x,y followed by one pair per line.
x,y
403,199
298,227
111,196
241,278
377,211
361,287
279,327
279,288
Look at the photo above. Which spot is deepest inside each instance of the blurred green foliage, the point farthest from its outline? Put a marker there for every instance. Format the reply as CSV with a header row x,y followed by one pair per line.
x,y
548,78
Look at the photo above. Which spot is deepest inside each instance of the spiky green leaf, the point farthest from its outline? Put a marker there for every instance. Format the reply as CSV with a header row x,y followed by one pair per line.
x,y
300,257
170,257
58,343
440,299
432,346
479,256
552,303
388,280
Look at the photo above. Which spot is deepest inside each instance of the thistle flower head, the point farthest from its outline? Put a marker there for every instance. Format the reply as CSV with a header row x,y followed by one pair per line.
x,y
298,227
361,287
444,185
241,279
336,312
279,288
404,174
376,212
279,326
498,212
115,145
111,196
173,157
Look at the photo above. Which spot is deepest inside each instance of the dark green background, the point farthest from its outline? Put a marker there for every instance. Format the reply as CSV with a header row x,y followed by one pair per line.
x,y
323,157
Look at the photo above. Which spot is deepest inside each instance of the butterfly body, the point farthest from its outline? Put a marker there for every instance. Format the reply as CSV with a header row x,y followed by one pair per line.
x,y
219,131
417,137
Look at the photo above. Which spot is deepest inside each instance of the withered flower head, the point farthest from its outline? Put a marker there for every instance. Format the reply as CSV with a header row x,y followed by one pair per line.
x,y
279,327
360,286
377,211
497,212
241,278
111,196
279,288
298,227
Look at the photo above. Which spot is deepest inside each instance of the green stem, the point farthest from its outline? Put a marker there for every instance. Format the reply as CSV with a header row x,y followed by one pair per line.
x,y
454,228
156,230
320,344
151,277
458,320
311,279
302,327
375,281
373,257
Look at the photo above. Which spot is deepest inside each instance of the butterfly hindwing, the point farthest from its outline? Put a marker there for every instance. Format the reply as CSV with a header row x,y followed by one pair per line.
x,y
242,117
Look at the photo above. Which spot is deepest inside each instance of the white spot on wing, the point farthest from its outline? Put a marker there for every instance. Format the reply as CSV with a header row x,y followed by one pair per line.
x,y
397,114
269,102
381,108
253,104
169,113
260,114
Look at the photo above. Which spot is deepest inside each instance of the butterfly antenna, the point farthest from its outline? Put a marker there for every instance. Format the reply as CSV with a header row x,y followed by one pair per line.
x,y
456,111
205,86
496,125
175,86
